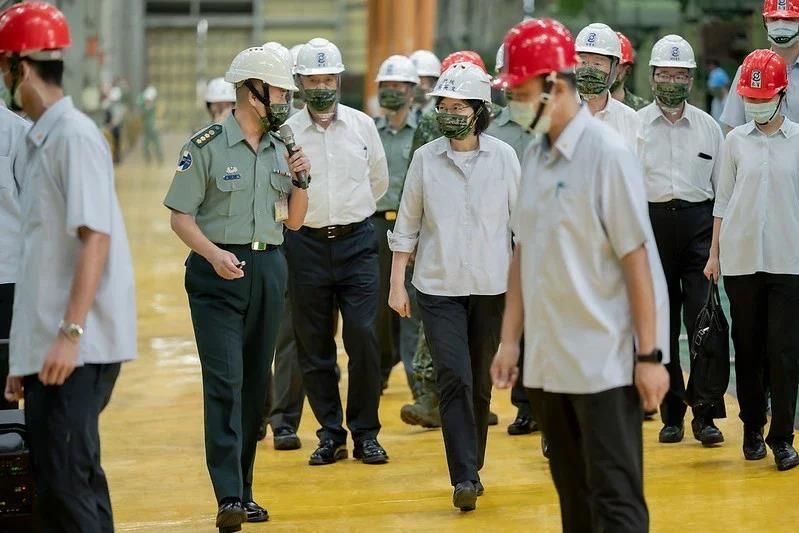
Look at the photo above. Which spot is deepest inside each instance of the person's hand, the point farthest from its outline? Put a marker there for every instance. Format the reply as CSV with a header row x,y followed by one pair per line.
x,y
60,361
712,269
504,368
298,162
14,389
224,264
398,300
652,382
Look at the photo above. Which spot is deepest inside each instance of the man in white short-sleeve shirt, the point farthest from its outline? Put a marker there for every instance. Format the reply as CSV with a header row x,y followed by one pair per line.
x,y
582,288
74,308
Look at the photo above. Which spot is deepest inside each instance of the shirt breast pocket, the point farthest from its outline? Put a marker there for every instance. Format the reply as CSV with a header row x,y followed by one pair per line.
x,y
281,182
357,162
235,194
702,169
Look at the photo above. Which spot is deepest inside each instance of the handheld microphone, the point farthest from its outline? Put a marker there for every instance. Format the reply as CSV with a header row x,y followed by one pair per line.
x,y
287,136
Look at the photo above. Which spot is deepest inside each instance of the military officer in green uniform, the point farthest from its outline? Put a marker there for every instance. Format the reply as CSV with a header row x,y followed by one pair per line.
x,y
618,89
396,79
234,190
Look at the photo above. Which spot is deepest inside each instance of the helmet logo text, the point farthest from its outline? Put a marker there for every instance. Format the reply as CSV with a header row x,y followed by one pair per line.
x,y
675,52
756,79
591,38
320,59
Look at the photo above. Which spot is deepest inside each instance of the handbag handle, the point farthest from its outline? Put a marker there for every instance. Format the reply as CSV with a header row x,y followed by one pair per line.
x,y
713,298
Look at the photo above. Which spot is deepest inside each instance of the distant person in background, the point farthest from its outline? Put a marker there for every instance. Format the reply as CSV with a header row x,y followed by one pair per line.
x,y
618,88
718,85
297,102
428,67
114,115
220,99
151,139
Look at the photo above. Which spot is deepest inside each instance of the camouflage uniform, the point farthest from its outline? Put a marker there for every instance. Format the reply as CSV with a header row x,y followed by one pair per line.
x,y
634,101
426,131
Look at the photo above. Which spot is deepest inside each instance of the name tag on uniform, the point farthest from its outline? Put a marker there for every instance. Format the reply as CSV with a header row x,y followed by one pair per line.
x,y
282,210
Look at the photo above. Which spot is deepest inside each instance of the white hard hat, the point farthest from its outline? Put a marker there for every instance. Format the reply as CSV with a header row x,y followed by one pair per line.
x,y
150,93
464,81
294,51
319,56
672,51
397,68
500,62
261,64
280,49
218,90
426,63
598,38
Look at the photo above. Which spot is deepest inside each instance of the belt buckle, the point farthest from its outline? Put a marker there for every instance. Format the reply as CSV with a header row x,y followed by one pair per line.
x,y
391,215
258,246
330,234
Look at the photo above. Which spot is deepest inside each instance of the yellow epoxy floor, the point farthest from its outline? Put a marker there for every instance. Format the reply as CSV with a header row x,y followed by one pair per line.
x,y
153,441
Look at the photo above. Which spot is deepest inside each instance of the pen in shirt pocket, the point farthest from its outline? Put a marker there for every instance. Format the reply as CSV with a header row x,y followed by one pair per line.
x,y
703,155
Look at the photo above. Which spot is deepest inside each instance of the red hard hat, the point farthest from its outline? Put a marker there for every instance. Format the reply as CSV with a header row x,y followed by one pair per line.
x,y
627,52
781,9
33,27
763,75
463,56
536,47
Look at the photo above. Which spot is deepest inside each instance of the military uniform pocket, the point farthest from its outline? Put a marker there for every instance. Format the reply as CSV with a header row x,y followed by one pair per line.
x,y
235,195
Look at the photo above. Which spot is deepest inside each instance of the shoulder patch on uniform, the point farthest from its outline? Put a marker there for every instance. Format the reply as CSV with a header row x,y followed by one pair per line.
x,y
202,138
185,161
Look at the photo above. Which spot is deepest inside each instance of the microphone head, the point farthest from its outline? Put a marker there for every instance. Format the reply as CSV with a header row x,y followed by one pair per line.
x,y
286,134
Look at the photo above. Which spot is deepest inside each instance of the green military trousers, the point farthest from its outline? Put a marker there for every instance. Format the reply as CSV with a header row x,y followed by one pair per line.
x,y
235,326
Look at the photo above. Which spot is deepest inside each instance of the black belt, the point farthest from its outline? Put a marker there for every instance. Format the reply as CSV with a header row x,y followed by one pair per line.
x,y
253,246
675,205
331,232
390,216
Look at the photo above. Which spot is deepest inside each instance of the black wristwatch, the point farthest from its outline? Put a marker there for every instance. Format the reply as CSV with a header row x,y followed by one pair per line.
x,y
655,357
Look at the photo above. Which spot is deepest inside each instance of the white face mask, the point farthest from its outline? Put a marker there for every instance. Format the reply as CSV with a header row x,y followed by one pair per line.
x,y
783,33
522,113
762,113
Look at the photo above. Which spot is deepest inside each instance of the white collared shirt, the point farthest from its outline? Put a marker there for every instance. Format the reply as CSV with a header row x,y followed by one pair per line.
x,y
455,212
681,160
348,166
68,183
758,200
623,120
581,209
12,131
734,114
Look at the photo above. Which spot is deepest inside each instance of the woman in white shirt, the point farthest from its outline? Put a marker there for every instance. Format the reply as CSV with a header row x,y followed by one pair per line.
x,y
755,243
454,216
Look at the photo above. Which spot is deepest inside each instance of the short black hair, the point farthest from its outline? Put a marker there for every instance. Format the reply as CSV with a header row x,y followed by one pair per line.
x,y
570,78
50,72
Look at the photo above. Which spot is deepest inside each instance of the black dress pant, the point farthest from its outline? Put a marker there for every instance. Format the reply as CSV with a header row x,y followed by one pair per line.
x,y
325,273
596,458
763,308
518,395
6,309
683,232
235,327
463,335
64,440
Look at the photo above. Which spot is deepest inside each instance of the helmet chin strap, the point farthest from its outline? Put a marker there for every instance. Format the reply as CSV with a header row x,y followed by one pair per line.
x,y
263,98
546,97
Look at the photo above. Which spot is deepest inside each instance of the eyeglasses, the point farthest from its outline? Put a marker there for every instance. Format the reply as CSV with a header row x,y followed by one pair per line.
x,y
456,109
662,77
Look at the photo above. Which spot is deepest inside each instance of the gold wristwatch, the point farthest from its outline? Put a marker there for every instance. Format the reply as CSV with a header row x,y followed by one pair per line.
x,y
73,332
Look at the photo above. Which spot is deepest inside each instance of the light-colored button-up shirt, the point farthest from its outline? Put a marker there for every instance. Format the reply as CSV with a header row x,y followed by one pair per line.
x,y
12,131
397,145
348,166
578,214
458,211
68,183
758,200
681,160
230,189
622,119
734,114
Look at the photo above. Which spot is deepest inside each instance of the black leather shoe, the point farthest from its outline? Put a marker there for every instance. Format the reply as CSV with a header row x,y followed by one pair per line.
x,y
493,419
370,452
754,448
785,456
230,516
465,496
478,486
328,453
706,432
545,446
523,425
255,513
286,439
671,434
